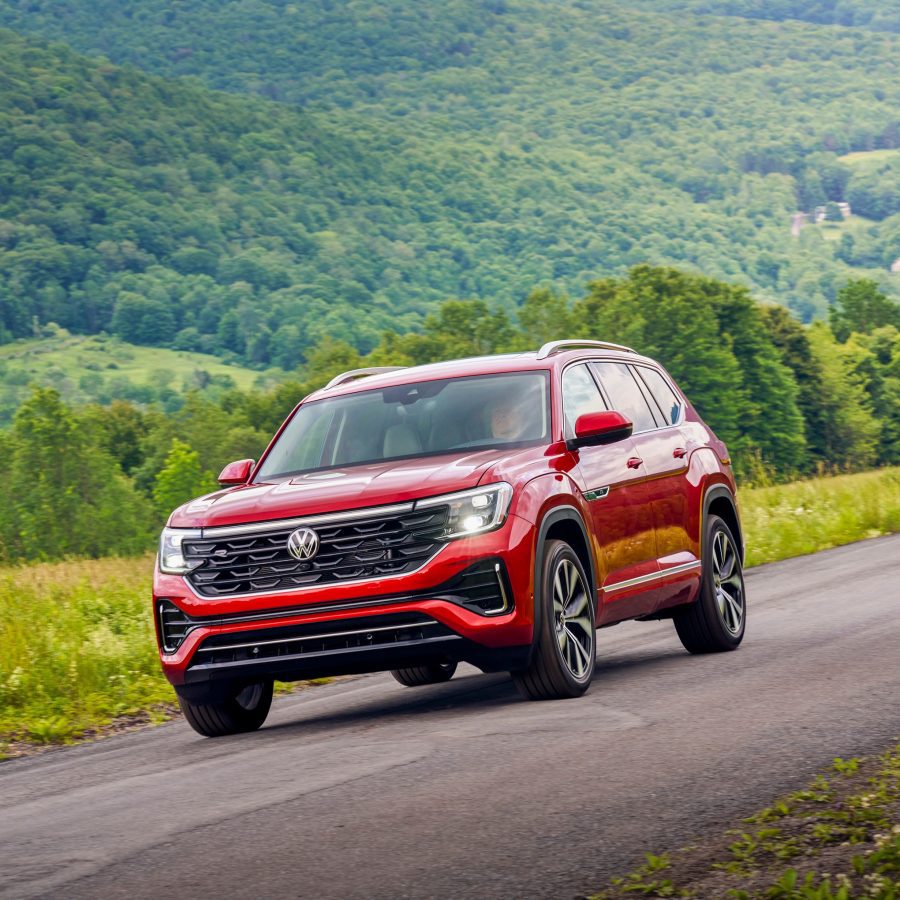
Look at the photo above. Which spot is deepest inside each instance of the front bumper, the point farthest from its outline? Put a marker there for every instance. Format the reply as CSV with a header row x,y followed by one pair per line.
x,y
441,612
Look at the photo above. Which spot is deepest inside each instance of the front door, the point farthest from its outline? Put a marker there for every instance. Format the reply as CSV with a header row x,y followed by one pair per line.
x,y
612,479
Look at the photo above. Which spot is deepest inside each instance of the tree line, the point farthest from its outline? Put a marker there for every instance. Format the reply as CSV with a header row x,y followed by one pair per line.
x,y
788,399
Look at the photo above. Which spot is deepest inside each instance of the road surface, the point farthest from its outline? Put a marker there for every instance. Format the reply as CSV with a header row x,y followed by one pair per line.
x,y
367,789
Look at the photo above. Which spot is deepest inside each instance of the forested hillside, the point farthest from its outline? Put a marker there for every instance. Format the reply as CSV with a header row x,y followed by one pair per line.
x,y
472,148
883,15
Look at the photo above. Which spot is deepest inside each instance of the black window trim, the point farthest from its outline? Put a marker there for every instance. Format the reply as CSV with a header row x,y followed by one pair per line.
x,y
668,383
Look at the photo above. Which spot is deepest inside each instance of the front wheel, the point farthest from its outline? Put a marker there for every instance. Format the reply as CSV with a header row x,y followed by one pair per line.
x,y
716,620
235,710
562,662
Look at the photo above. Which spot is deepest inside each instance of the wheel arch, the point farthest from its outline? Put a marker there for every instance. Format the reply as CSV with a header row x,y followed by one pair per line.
x,y
563,523
719,501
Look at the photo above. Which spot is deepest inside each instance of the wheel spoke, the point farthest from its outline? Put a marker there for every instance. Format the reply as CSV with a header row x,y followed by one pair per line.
x,y
734,580
733,611
571,581
558,598
720,600
717,552
580,653
728,563
577,606
571,661
582,622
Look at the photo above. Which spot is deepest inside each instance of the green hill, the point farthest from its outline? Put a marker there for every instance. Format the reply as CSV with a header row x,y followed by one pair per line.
x,y
103,369
467,148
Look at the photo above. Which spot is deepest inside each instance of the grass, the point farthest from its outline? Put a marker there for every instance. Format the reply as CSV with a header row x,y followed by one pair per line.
x,y
868,159
77,648
77,645
102,368
807,516
832,231
835,840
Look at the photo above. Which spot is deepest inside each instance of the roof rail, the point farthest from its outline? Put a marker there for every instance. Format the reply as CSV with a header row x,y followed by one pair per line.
x,y
559,346
353,374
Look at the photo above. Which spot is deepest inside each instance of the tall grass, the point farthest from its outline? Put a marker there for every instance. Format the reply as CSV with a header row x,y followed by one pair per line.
x,y
77,647
806,516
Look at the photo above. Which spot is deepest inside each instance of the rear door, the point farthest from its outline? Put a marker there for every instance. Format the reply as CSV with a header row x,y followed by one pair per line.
x,y
660,444
612,479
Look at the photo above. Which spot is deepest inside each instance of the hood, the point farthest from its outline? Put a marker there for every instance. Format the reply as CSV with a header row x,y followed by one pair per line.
x,y
336,490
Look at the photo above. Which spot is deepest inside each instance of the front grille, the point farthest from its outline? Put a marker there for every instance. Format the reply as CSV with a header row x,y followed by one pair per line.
x,y
368,632
367,547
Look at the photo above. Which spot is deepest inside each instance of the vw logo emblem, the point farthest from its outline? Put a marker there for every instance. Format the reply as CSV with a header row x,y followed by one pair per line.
x,y
303,543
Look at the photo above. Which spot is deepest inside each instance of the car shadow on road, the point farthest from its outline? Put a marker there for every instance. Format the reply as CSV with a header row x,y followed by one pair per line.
x,y
471,694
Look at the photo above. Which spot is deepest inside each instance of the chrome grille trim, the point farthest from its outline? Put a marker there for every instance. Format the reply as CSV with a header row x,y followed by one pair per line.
x,y
371,512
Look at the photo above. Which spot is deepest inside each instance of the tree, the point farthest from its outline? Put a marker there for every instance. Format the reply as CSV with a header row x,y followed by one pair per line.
x,y
63,495
850,431
181,478
861,307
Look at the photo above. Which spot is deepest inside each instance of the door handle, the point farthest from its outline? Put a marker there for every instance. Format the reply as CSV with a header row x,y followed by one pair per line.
x,y
679,452
634,462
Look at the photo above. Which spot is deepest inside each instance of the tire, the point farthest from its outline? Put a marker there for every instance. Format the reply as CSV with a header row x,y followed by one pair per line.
x,y
562,662
433,673
716,620
240,709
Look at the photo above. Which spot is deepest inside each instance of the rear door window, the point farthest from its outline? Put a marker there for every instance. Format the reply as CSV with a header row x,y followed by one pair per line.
x,y
625,395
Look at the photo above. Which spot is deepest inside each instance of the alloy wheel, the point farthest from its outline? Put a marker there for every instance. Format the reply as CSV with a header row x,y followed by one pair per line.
x,y
572,619
728,582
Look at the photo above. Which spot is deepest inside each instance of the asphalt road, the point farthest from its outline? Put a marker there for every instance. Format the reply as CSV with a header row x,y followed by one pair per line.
x,y
364,788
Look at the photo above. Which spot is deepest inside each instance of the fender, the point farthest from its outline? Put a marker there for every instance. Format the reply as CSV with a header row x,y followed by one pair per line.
x,y
714,492
559,514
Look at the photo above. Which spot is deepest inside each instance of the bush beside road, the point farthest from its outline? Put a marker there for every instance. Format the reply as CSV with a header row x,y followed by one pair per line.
x,y
78,653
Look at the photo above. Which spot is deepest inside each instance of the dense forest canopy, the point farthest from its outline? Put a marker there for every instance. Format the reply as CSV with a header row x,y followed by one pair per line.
x,y
471,148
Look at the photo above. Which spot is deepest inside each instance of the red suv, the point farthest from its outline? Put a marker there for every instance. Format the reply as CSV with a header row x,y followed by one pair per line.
x,y
494,511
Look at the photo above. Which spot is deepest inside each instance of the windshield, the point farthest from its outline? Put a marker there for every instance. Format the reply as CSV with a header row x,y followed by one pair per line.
x,y
422,419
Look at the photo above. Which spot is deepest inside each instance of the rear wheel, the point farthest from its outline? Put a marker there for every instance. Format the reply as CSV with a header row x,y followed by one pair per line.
x,y
433,673
235,710
717,619
562,662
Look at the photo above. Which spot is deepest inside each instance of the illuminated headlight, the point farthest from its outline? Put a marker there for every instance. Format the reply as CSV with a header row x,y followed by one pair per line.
x,y
475,511
171,557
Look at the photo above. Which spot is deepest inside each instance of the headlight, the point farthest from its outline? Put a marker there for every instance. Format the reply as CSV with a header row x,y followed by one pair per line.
x,y
473,512
171,559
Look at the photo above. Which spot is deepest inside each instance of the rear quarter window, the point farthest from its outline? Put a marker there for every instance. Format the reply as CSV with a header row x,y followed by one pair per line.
x,y
670,404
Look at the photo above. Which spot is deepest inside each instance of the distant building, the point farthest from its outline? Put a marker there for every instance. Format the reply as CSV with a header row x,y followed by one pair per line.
x,y
895,266
844,207
798,220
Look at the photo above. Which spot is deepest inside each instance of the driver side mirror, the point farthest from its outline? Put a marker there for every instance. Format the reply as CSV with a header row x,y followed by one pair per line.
x,y
596,428
236,472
